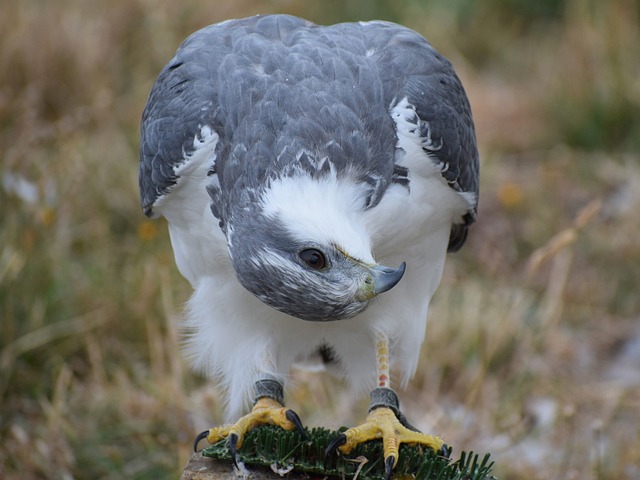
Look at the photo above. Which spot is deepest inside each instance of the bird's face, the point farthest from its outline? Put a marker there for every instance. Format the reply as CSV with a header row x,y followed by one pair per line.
x,y
311,281
304,253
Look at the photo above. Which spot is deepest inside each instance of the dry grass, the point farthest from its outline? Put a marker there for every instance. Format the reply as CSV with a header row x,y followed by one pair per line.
x,y
533,348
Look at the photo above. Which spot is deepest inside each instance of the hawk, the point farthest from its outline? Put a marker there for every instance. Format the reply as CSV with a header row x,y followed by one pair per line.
x,y
313,179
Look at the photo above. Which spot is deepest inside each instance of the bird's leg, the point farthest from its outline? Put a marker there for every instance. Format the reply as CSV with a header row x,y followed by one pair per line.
x,y
268,409
382,361
385,421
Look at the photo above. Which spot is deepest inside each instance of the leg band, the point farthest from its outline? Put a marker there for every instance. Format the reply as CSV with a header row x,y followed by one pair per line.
x,y
268,387
384,397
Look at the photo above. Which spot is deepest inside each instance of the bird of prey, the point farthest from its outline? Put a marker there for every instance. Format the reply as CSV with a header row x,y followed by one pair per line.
x,y
313,179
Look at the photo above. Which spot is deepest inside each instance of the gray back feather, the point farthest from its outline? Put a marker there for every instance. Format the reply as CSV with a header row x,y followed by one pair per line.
x,y
285,96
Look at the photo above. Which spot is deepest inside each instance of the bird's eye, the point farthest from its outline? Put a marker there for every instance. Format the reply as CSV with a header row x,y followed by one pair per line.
x,y
313,258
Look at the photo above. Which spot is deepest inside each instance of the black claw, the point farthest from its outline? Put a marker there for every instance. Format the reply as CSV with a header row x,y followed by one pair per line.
x,y
233,450
388,466
295,419
335,443
403,420
445,451
201,436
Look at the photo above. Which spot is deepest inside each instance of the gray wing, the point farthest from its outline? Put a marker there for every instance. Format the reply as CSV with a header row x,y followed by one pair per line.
x,y
410,67
178,103
187,95
272,87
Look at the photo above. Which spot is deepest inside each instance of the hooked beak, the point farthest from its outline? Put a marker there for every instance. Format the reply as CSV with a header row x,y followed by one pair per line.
x,y
380,279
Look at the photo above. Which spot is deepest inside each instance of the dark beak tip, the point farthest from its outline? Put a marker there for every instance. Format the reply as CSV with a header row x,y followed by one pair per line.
x,y
402,268
386,278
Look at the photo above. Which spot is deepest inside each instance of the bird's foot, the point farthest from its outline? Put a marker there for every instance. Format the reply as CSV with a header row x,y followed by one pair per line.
x,y
266,411
386,423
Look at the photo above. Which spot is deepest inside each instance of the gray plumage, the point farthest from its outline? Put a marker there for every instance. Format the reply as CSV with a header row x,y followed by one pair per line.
x,y
276,86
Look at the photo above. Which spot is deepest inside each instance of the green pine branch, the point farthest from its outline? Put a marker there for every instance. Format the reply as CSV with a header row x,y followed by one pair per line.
x,y
268,445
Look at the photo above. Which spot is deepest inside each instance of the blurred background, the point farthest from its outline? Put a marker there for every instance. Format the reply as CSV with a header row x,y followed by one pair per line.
x,y
533,346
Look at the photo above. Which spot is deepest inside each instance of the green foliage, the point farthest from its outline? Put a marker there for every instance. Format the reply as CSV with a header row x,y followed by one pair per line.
x,y
269,445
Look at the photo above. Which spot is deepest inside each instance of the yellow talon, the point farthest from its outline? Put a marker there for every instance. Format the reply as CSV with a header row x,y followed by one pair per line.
x,y
266,411
218,433
383,423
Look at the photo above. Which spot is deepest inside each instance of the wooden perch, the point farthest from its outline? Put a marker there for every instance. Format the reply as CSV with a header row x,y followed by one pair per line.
x,y
205,468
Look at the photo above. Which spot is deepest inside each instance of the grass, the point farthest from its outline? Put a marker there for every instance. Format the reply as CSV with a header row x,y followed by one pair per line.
x,y
532,347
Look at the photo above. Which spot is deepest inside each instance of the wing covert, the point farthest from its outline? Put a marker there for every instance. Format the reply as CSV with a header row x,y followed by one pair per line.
x,y
411,68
